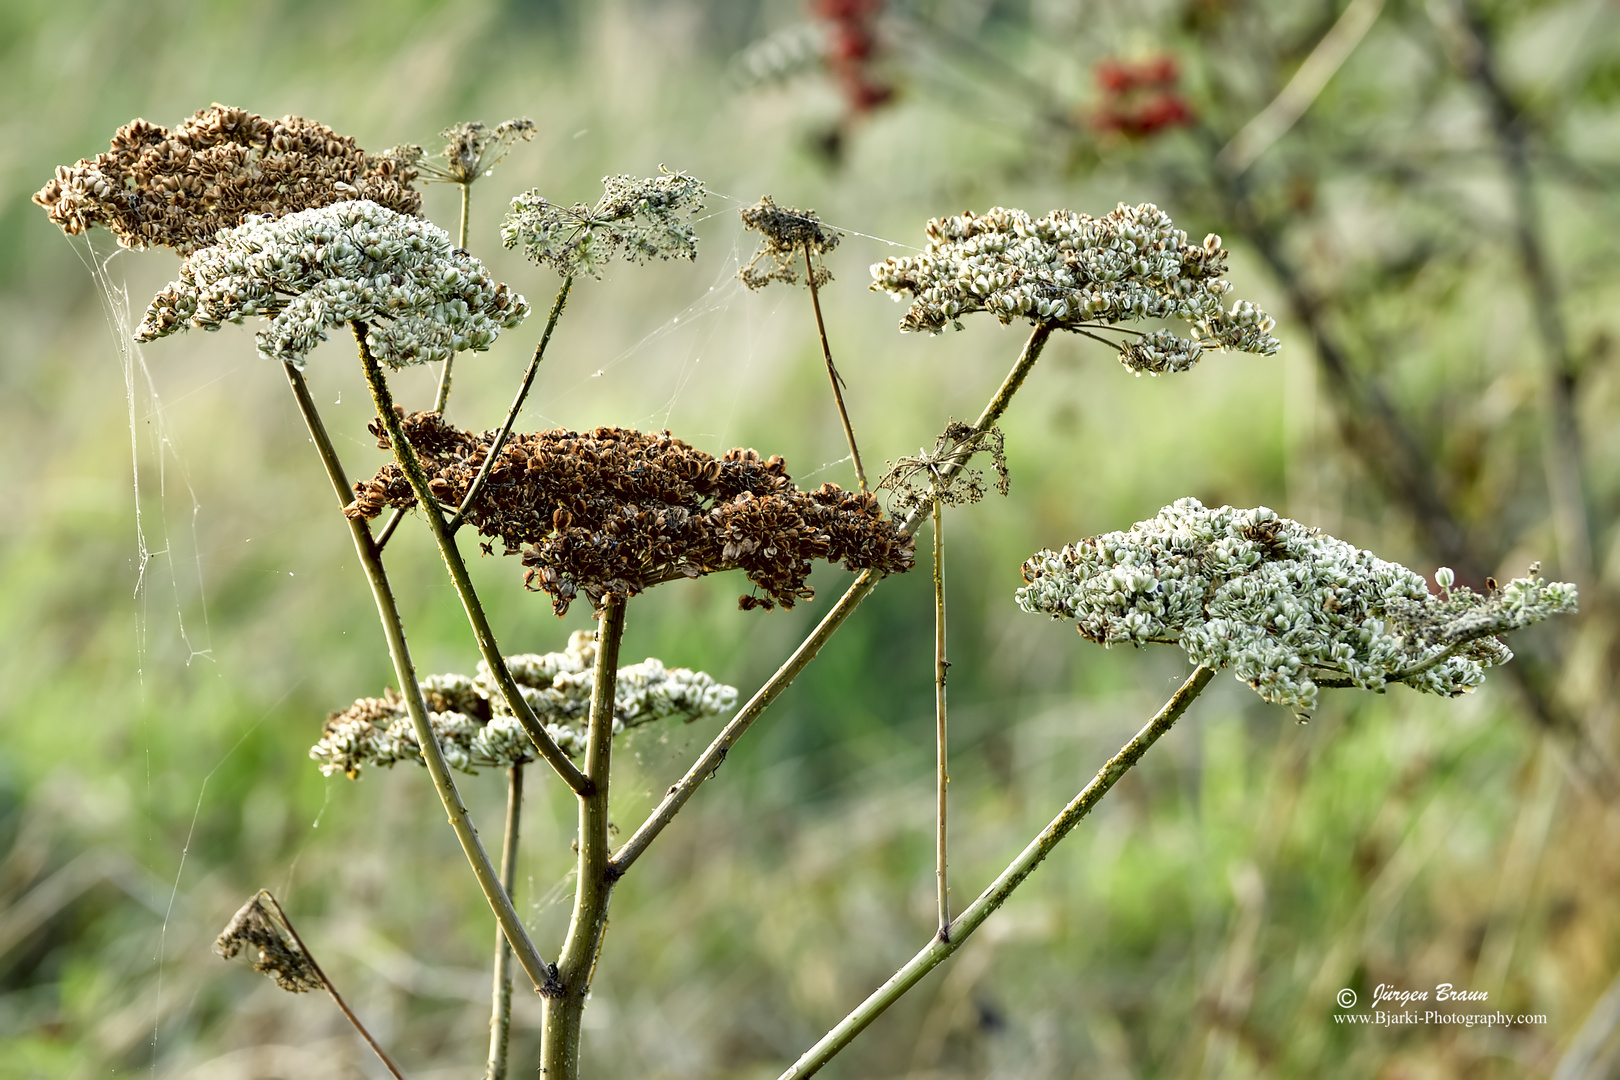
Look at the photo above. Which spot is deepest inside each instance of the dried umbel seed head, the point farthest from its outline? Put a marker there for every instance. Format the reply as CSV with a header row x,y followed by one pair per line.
x,y
788,233
636,219
618,511
1286,607
475,729
420,298
1071,271
470,150
943,474
274,951
178,189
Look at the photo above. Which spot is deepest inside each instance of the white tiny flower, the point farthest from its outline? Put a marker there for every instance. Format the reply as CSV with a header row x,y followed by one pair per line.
x,y
1286,607
309,271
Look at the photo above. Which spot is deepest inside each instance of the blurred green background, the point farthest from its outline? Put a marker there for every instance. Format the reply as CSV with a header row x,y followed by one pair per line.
x,y
175,634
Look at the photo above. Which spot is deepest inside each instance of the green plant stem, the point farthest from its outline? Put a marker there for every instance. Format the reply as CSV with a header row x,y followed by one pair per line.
x,y
488,647
442,398
1015,874
559,1046
832,370
540,972
500,1013
506,428
287,925
477,485
712,757
942,772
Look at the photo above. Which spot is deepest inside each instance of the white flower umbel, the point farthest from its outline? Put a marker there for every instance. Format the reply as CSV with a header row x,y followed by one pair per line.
x,y
1080,273
638,219
1286,607
421,298
475,729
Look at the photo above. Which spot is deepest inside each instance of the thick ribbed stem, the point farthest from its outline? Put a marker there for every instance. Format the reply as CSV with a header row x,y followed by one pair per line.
x,y
500,1011
559,1038
488,648
540,973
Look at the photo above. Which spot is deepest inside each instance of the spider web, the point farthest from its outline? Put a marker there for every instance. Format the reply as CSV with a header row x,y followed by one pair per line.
x,y
146,412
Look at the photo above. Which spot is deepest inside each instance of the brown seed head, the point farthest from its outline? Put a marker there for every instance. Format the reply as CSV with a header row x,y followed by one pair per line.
x,y
617,511
156,188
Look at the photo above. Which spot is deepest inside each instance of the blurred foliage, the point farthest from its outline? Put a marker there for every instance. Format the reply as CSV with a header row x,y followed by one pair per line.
x,y
160,700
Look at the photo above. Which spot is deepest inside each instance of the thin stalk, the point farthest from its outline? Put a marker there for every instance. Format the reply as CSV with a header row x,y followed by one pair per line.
x,y
286,923
712,758
477,485
500,1012
540,973
832,371
506,428
1012,877
488,647
943,776
559,1040
389,526
442,398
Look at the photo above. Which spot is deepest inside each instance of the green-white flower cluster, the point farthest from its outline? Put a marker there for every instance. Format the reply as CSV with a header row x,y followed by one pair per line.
x,y
1074,271
421,298
1285,606
638,219
475,729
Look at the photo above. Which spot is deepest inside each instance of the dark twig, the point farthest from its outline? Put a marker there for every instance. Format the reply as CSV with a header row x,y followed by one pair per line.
x,y
1473,52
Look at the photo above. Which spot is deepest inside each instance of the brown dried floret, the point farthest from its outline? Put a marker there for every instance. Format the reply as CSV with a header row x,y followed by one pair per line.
x,y
617,511
274,952
155,187
787,233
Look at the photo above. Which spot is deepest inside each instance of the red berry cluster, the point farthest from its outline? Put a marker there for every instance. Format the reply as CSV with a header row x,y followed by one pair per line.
x,y
852,45
1139,98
